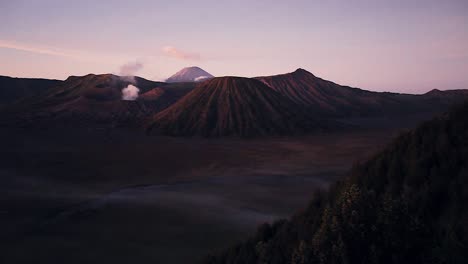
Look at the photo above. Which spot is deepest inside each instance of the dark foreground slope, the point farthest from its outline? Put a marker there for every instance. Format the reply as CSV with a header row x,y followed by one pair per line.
x,y
14,89
233,106
326,98
408,204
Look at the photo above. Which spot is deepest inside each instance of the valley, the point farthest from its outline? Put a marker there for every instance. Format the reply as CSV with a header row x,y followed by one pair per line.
x,y
124,196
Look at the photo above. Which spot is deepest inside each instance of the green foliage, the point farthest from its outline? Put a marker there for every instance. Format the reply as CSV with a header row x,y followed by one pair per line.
x,y
408,204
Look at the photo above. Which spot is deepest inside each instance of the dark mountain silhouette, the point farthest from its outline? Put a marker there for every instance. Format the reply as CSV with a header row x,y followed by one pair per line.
x,y
171,92
190,74
14,89
293,103
242,107
407,204
97,99
233,106
325,98
167,94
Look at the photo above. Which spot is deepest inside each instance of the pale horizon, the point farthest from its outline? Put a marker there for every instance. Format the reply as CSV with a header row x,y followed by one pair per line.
x,y
402,46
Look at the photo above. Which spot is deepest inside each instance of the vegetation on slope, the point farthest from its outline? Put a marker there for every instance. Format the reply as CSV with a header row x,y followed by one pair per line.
x,y
408,204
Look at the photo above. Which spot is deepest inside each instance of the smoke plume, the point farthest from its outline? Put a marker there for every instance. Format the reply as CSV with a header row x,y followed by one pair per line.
x,y
128,70
130,93
127,73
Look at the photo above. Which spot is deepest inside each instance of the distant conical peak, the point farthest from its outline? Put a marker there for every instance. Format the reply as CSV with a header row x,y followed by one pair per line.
x,y
190,74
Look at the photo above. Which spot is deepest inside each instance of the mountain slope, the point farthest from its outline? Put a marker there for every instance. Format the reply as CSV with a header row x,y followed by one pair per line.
x,y
166,95
330,99
232,106
95,99
190,74
407,204
14,89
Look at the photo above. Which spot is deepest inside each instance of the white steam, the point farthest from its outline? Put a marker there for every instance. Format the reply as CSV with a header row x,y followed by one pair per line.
x,y
130,68
201,78
128,71
130,93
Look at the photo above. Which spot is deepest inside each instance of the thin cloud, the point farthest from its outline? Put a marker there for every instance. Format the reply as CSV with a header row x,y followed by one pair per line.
x,y
54,51
179,54
36,49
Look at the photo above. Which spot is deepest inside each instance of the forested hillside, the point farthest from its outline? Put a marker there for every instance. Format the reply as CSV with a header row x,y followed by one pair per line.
x,y
407,204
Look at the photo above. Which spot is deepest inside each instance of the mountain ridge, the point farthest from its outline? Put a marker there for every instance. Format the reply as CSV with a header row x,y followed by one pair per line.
x,y
13,89
232,106
95,99
99,96
327,98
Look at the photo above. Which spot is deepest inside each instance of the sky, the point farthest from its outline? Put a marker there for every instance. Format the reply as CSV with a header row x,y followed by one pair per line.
x,y
410,46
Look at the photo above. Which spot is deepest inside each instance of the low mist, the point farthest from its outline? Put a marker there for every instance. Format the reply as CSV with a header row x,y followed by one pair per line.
x,y
201,78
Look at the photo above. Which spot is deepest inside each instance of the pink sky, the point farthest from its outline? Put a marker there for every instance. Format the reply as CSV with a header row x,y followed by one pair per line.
x,y
406,46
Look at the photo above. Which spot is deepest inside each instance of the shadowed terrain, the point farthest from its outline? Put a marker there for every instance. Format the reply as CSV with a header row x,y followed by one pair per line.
x,y
82,182
94,100
407,204
74,196
14,89
287,104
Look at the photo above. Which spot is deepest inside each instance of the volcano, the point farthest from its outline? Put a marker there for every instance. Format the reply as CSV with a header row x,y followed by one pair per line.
x,y
328,99
97,99
190,74
233,106
283,104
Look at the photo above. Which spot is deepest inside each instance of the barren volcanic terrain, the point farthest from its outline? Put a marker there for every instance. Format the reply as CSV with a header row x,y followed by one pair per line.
x,y
95,100
325,98
234,106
